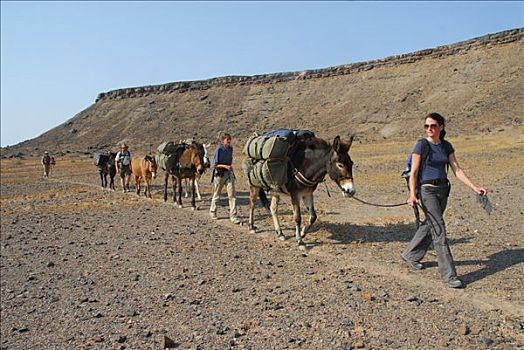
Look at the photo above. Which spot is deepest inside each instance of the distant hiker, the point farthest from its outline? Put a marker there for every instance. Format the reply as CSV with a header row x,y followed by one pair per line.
x,y
123,166
223,175
46,162
429,188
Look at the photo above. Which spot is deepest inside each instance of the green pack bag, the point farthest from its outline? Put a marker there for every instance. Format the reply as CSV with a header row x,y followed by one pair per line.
x,y
266,147
266,173
167,147
166,161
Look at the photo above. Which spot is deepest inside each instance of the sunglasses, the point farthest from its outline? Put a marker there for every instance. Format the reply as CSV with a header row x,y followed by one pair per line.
x,y
430,126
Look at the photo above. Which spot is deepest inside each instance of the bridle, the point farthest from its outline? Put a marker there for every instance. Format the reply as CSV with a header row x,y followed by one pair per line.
x,y
304,181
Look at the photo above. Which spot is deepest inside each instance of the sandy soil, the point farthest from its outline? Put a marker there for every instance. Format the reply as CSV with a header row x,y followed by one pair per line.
x,y
87,268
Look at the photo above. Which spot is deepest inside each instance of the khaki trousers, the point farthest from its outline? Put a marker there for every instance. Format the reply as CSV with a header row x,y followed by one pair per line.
x,y
227,180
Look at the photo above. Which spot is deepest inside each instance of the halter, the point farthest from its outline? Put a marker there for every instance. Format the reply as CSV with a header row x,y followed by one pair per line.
x,y
304,180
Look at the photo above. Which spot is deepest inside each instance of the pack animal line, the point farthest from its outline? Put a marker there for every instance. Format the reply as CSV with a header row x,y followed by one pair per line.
x,y
311,159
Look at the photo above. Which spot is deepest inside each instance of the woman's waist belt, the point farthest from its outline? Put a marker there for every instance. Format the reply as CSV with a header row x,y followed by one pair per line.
x,y
436,182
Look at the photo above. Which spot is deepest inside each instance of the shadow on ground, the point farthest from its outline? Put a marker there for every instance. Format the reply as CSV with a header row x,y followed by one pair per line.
x,y
344,233
495,263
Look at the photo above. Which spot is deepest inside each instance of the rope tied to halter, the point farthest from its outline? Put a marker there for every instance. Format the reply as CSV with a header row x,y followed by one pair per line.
x,y
415,208
368,203
379,205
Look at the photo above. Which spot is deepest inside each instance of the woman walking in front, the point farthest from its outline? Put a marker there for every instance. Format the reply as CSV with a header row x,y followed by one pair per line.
x,y
433,196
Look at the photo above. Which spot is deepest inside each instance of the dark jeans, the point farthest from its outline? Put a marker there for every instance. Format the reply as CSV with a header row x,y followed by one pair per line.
x,y
434,200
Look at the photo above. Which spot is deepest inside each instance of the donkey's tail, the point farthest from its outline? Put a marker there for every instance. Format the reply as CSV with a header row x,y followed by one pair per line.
x,y
263,198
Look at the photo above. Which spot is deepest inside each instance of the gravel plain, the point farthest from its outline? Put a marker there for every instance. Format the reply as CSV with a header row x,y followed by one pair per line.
x,y
87,268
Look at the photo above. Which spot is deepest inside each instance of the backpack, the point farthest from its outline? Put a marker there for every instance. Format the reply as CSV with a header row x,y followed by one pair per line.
x,y
288,134
423,156
291,135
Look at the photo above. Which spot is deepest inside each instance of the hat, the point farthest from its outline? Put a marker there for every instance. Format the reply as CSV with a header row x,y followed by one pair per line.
x,y
125,145
46,152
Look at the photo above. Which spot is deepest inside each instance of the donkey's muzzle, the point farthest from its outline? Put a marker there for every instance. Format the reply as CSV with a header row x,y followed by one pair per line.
x,y
348,188
348,194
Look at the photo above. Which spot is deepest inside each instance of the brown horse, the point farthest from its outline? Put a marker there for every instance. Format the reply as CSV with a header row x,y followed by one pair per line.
x,y
311,160
190,163
144,168
207,164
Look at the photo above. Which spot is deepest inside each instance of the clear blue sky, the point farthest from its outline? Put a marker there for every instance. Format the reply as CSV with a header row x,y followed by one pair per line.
x,y
57,56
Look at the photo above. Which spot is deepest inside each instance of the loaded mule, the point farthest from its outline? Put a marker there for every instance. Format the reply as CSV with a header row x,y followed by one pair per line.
x,y
182,161
144,168
106,166
309,160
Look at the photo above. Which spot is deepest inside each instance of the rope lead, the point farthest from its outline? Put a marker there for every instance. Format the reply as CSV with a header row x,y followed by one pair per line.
x,y
380,205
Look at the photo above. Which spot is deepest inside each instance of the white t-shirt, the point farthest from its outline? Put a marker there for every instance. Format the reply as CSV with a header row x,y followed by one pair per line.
x,y
123,158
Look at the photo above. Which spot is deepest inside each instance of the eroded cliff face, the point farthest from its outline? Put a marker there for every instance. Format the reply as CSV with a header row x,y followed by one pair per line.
x,y
477,84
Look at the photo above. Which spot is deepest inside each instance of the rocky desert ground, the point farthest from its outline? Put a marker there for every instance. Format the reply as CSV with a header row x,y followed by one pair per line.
x,y
84,267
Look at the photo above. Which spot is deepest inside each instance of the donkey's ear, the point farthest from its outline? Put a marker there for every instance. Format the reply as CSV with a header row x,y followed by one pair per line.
x,y
350,141
336,144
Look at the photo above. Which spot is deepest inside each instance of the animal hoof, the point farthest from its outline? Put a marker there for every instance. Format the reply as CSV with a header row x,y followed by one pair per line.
x,y
281,237
252,230
193,208
301,246
179,206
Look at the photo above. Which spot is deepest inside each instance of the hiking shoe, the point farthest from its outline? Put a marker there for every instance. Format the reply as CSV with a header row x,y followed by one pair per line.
x,y
455,283
415,265
213,215
235,220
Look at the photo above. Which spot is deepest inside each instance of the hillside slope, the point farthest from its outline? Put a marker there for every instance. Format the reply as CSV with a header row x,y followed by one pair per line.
x,y
477,84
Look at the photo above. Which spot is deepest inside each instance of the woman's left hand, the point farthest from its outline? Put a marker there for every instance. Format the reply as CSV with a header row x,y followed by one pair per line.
x,y
480,190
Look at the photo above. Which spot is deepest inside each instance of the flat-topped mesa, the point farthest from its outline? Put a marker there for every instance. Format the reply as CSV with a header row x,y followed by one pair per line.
x,y
446,50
